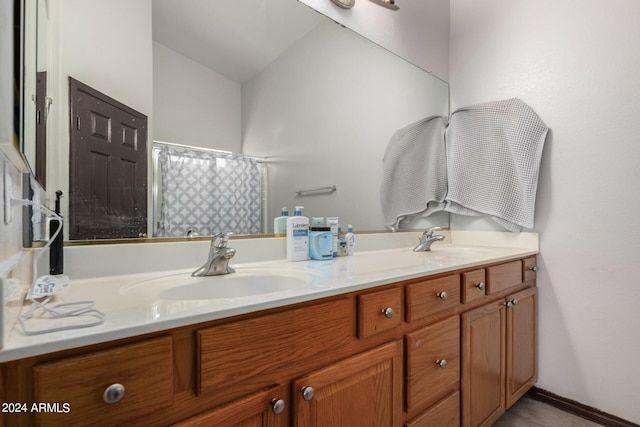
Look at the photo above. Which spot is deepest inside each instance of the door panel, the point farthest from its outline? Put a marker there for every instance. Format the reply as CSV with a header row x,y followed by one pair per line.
x,y
363,390
255,410
108,167
521,345
483,367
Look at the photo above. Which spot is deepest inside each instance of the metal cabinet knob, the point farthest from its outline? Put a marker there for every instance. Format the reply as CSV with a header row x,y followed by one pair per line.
x,y
511,303
534,268
308,393
142,234
113,394
442,295
480,286
442,363
388,312
278,406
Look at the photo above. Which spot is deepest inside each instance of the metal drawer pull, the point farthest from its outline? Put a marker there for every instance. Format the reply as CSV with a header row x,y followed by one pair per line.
x,y
278,406
442,295
113,394
534,268
308,393
388,312
480,286
442,363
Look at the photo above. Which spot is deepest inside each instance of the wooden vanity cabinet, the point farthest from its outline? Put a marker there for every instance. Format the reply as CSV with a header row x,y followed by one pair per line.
x,y
452,349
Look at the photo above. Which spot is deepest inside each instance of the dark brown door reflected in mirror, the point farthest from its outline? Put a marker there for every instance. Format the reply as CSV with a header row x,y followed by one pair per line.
x,y
108,167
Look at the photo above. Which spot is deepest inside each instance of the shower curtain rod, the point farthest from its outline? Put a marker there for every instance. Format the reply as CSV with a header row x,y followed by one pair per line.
x,y
209,150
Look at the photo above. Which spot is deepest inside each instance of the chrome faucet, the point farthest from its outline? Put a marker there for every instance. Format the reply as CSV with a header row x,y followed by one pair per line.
x,y
219,256
427,240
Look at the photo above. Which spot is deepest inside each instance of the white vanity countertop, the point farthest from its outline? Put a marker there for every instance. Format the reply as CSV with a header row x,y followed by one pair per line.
x,y
130,314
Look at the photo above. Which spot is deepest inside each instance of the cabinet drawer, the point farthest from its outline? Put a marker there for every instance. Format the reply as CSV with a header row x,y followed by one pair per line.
x,y
433,363
248,354
431,296
503,276
144,369
529,268
474,285
379,311
445,413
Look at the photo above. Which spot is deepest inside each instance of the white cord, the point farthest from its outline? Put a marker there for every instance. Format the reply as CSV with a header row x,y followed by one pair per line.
x,y
82,308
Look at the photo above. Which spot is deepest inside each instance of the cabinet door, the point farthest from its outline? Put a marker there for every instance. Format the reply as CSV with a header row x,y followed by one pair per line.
x,y
364,390
521,344
267,408
483,364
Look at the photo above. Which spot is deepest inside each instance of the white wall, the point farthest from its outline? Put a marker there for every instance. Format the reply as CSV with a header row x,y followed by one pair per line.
x,y
192,104
324,116
418,31
106,45
578,67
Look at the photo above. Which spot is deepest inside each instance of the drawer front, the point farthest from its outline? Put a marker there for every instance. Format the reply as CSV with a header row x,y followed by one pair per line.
x,y
237,357
145,370
445,413
433,363
379,311
431,296
474,285
504,276
529,268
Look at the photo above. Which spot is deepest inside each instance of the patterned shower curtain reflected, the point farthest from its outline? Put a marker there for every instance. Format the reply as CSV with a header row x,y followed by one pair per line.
x,y
208,193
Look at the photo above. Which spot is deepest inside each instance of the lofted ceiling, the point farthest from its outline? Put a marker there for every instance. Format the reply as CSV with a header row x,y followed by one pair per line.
x,y
235,38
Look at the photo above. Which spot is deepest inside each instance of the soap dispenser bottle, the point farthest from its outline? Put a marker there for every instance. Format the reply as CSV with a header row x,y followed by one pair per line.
x,y
280,223
298,236
351,240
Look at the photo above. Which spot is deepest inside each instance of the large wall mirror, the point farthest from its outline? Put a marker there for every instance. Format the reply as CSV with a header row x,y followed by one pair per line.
x,y
30,77
311,102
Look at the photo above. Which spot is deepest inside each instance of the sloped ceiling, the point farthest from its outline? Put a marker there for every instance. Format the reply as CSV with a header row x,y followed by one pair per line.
x,y
235,38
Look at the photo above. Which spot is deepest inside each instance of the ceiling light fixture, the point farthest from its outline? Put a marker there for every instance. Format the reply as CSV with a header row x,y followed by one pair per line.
x,y
389,4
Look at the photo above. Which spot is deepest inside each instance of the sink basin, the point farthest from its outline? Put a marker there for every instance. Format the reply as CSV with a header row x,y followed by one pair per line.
x,y
245,282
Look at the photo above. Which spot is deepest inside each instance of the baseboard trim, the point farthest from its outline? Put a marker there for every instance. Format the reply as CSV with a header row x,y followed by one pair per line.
x,y
577,408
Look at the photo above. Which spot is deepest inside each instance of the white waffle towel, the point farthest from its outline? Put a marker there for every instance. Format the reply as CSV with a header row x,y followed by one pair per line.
x,y
414,174
493,160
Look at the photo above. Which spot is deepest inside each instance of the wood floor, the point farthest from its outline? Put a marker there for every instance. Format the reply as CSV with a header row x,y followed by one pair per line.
x,y
531,413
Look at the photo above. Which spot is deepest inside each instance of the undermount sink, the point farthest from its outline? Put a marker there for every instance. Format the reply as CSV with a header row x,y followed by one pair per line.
x,y
245,282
